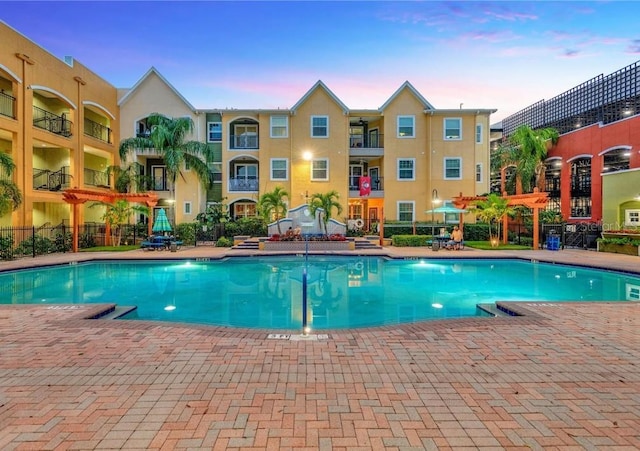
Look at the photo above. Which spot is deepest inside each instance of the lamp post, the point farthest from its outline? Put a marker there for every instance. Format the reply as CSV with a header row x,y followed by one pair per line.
x,y
306,227
435,200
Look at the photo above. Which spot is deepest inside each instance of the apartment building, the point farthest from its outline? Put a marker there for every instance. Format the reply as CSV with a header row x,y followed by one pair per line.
x,y
60,123
593,173
410,151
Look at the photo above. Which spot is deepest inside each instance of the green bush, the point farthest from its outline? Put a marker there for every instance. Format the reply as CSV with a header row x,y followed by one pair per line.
x,y
6,248
224,242
42,246
622,241
410,240
186,232
245,226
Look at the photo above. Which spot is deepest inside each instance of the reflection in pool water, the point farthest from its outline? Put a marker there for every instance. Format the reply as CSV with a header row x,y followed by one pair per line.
x,y
342,292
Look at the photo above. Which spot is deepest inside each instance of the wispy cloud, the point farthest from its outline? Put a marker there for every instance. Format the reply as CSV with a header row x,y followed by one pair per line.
x,y
634,47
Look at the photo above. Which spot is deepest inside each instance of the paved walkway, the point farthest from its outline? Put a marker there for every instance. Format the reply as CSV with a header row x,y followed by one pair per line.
x,y
565,376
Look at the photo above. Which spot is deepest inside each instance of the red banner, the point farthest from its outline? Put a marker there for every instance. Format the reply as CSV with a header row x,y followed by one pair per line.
x,y
365,186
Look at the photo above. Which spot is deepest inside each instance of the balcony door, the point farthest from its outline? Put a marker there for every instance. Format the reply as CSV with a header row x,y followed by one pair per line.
x,y
355,172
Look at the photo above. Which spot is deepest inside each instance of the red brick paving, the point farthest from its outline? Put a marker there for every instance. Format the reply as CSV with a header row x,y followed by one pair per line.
x,y
562,377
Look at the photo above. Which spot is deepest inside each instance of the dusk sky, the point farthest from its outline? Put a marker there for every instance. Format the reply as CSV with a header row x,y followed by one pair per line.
x,y
502,55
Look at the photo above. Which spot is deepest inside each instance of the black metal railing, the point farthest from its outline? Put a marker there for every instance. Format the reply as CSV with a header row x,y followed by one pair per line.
x,y
96,178
377,183
361,141
243,184
97,131
244,141
158,184
51,122
48,180
7,105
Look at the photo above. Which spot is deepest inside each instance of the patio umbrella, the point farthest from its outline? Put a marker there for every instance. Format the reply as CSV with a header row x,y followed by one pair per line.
x,y
161,223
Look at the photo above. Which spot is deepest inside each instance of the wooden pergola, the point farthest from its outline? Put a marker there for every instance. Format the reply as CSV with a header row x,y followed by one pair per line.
x,y
77,197
536,201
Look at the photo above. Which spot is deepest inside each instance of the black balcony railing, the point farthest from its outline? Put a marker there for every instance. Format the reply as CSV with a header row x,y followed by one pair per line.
x,y
7,105
376,183
243,184
360,141
48,180
97,131
96,178
158,184
244,141
51,122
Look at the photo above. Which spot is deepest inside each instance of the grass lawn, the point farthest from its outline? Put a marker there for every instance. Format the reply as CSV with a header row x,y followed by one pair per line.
x,y
485,245
110,248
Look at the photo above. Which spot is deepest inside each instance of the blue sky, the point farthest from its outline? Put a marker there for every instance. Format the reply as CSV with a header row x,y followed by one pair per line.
x,y
503,55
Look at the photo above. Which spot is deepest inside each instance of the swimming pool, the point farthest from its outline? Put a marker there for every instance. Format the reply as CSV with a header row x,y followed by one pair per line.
x,y
343,292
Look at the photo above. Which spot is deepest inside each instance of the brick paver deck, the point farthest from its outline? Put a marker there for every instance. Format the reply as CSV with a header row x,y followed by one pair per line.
x,y
565,376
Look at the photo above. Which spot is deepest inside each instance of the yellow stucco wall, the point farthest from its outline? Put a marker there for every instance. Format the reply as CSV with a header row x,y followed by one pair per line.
x,y
620,191
37,78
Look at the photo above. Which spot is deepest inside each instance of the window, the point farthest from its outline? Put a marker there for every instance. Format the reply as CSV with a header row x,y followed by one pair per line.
x,y
406,168
632,218
478,133
187,208
479,173
215,169
319,126
320,169
616,160
279,126
406,126
245,136
214,130
405,211
452,128
279,169
453,168
244,210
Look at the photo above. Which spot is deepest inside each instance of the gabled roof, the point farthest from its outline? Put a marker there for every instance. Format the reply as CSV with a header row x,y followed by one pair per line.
x,y
153,70
414,91
319,85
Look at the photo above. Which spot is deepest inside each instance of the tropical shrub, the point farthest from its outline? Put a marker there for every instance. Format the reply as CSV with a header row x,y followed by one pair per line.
x,y
224,242
410,240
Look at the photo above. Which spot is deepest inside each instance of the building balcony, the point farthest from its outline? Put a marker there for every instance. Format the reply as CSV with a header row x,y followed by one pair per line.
x,y
96,178
7,105
98,131
243,184
366,145
377,187
244,142
51,122
49,180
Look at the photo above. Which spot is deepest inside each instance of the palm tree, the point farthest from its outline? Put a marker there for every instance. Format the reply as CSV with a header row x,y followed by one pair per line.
x,y
492,210
168,139
273,206
10,195
526,150
128,179
325,202
118,214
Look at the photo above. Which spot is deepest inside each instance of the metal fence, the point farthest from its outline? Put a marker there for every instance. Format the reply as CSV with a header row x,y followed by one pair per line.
x,y
18,242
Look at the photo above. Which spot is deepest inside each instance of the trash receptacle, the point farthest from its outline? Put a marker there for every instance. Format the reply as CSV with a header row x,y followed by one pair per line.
x,y
435,245
173,246
553,242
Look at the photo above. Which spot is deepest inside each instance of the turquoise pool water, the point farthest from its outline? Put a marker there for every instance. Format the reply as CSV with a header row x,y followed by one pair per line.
x,y
343,292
